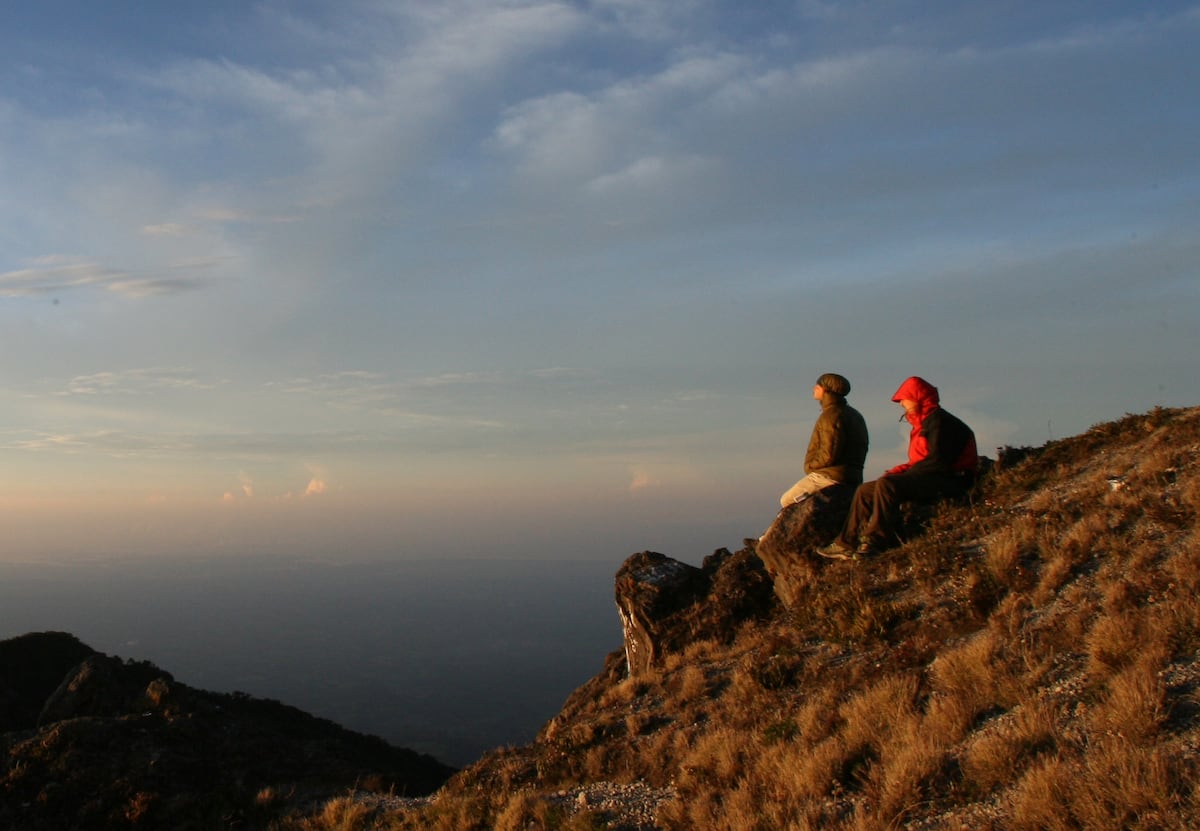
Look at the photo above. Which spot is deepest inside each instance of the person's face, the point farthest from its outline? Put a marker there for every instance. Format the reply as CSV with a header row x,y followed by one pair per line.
x,y
909,405
818,392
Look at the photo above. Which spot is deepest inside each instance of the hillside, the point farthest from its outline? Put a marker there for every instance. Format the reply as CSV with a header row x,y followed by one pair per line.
x,y
1027,661
88,741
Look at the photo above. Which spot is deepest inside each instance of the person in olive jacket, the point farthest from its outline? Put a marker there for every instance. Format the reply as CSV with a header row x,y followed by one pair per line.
x,y
838,446
942,459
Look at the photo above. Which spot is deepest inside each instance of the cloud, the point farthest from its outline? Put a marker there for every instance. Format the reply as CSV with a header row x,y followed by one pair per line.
x,y
58,274
248,489
571,135
641,480
229,216
165,229
137,382
444,398
447,379
110,443
831,143
651,21
390,79
152,287
652,173
202,446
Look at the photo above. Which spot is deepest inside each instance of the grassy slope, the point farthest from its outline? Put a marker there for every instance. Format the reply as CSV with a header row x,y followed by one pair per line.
x,y
1029,662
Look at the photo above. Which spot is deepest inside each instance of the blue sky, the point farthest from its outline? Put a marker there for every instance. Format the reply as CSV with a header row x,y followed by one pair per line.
x,y
554,279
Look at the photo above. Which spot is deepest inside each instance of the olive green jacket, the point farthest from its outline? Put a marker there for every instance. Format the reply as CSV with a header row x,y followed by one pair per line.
x,y
838,447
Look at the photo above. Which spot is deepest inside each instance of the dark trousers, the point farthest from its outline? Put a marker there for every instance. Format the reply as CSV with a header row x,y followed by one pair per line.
x,y
876,505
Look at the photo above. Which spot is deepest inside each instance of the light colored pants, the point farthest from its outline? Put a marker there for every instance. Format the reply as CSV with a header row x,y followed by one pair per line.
x,y
805,488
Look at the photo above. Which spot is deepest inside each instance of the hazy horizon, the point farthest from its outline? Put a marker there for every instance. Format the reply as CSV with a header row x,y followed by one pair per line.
x,y
449,658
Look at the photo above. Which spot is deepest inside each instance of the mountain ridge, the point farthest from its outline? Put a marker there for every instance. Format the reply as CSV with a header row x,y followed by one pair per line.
x,y
93,741
1026,660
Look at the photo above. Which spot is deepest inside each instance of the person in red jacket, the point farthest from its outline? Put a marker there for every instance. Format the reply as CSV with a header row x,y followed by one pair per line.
x,y
942,459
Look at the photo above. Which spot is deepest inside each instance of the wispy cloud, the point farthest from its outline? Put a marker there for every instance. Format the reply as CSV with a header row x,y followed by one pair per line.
x,y
245,217
207,446
429,398
59,274
642,479
137,382
165,229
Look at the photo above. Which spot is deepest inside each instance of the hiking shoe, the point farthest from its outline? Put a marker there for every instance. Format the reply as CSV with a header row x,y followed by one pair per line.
x,y
837,550
866,548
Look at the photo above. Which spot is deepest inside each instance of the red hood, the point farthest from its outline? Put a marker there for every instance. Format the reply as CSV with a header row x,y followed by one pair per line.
x,y
919,390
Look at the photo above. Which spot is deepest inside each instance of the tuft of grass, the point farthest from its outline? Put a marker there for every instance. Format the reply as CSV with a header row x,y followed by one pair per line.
x,y
1001,755
693,683
1134,707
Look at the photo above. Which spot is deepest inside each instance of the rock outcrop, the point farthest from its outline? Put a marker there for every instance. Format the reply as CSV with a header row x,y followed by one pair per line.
x,y
665,604
104,686
786,549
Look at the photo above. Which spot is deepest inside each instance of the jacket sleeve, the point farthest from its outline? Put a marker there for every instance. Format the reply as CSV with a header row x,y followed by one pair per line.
x,y
918,449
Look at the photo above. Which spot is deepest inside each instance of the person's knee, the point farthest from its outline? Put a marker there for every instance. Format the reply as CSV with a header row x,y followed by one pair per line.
x,y
886,488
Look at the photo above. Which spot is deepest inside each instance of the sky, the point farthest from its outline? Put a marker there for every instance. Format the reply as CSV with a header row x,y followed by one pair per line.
x,y
554,279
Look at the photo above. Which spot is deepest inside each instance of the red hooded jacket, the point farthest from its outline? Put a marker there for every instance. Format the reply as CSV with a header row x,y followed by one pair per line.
x,y
939,442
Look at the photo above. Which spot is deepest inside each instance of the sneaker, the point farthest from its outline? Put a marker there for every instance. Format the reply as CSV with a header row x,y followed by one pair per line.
x,y
836,550
866,548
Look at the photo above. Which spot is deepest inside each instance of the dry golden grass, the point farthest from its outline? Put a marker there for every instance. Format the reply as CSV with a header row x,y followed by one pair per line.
x,y
343,813
1000,755
1008,547
1118,785
628,690
693,683
1112,643
529,811
1134,706
966,668
1040,798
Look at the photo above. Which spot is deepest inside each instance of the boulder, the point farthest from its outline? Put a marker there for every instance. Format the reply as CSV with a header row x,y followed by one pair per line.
x,y
105,686
665,604
787,548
